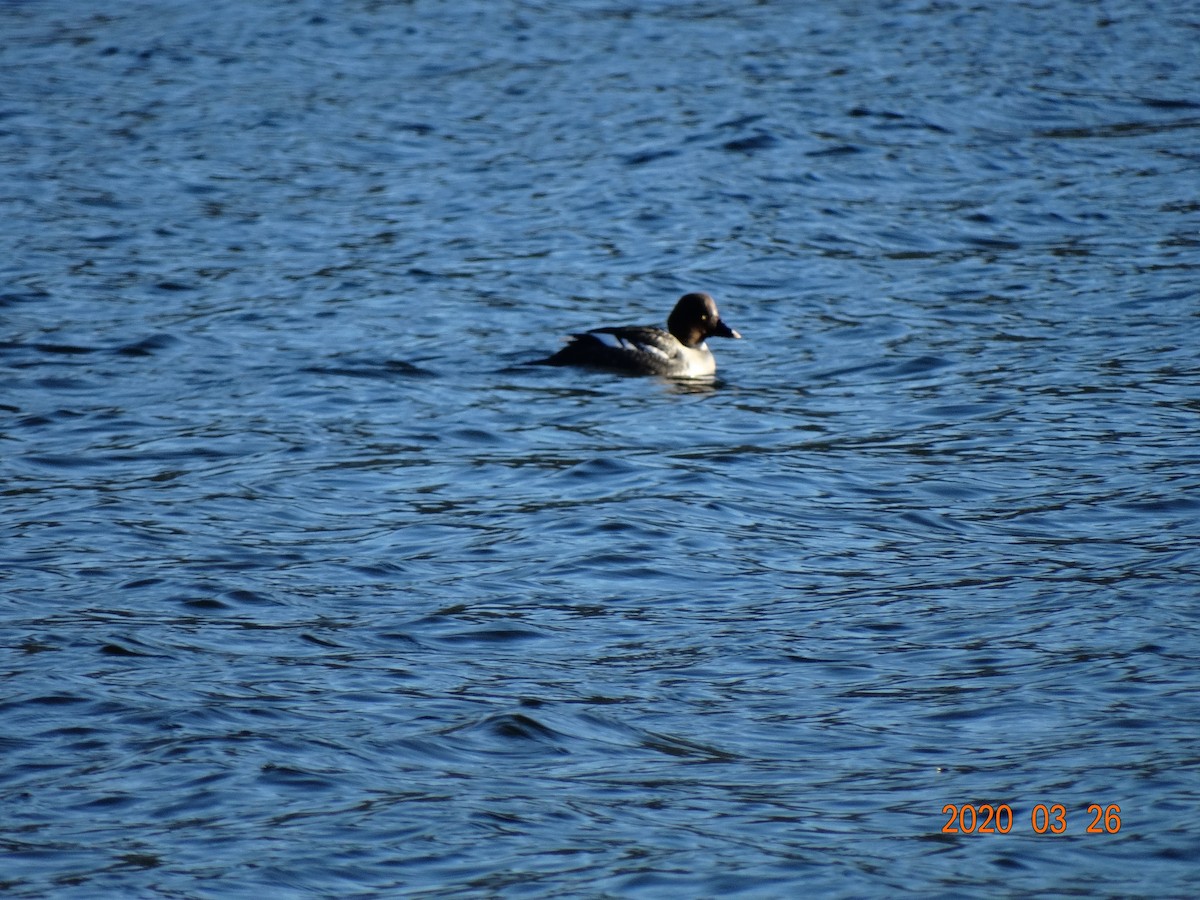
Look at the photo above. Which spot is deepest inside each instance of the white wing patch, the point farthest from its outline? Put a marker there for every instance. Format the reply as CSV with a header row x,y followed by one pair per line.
x,y
628,343
610,340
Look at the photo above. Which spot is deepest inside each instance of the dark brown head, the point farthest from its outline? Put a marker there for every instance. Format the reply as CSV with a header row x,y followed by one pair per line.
x,y
695,318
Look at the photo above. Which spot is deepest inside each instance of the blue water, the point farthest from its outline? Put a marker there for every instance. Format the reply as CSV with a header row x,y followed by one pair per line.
x,y
309,587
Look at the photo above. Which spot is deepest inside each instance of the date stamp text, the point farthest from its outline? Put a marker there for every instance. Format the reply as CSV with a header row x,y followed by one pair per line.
x,y
986,818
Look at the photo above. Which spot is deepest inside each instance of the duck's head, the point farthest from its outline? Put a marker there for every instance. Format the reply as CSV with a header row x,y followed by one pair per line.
x,y
695,318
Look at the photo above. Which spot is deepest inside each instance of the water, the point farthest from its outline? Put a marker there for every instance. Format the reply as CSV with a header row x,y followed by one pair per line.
x,y
310,588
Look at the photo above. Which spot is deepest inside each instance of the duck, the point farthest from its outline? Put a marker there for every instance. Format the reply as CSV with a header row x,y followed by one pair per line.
x,y
679,351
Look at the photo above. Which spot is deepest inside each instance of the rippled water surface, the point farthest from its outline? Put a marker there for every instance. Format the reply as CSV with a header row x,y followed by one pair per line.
x,y
310,587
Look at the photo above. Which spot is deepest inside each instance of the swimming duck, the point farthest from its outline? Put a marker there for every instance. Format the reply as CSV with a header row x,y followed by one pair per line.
x,y
679,351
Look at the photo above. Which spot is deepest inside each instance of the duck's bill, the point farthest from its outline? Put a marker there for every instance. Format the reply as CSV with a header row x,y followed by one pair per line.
x,y
723,330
